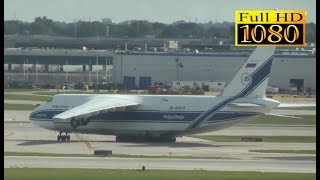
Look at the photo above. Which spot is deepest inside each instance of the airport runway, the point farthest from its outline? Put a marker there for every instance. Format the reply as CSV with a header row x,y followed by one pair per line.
x,y
22,136
266,130
161,163
25,137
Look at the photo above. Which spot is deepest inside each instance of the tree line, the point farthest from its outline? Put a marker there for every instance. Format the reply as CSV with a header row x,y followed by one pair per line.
x,y
130,29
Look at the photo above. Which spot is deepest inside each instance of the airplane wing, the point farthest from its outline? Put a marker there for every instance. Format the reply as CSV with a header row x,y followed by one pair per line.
x,y
96,106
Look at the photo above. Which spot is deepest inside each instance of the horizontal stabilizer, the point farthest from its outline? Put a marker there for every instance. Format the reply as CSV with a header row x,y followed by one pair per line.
x,y
244,105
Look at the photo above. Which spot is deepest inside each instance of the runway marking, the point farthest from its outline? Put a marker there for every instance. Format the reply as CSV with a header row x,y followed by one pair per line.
x,y
9,134
85,141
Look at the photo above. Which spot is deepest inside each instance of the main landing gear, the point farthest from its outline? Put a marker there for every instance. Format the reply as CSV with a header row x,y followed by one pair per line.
x,y
63,137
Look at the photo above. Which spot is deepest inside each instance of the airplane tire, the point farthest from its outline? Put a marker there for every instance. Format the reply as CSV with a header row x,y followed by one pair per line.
x,y
63,138
173,139
58,137
168,139
68,138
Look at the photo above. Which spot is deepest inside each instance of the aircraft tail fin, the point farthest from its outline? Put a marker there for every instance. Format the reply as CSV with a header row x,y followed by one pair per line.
x,y
252,78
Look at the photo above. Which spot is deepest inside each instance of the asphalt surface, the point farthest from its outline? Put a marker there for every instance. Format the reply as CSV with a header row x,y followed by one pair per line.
x,y
25,137
149,163
22,136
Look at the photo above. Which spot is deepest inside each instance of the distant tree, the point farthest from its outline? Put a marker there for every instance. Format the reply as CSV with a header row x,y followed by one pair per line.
x,y
132,29
42,26
12,27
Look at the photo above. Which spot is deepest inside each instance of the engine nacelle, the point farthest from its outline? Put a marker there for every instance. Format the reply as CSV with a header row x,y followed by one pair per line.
x,y
68,125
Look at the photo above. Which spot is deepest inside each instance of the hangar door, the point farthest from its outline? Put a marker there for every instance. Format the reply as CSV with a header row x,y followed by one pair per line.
x,y
129,82
144,82
297,84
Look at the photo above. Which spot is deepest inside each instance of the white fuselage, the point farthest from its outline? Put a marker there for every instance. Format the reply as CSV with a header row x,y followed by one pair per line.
x,y
174,115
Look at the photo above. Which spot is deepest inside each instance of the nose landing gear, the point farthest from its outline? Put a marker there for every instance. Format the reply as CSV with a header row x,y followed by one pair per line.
x,y
63,137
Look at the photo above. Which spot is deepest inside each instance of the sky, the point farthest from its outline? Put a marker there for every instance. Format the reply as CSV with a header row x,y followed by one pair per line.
x,y
164,11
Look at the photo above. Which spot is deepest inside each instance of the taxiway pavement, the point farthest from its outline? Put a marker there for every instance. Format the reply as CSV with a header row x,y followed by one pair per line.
x,y
22,136
162,163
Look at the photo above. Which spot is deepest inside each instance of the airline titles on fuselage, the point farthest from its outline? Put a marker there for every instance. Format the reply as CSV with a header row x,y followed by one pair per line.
x,y
60,106
177,107
170,117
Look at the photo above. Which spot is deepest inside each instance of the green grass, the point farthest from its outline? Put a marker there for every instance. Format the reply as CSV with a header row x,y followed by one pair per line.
x,y
97,174
19,106
20,90
25,97
67,92
113,155
286,151
88,92
45,154
278,139
306,120
298,108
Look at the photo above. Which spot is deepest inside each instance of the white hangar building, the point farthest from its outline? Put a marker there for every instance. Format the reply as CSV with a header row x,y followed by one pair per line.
x,y
141,69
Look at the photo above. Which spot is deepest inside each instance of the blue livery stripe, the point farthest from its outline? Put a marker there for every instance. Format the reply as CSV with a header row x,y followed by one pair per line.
x,y
147,116
258,76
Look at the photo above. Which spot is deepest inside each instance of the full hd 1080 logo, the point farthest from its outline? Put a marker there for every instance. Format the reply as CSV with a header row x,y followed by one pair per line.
x,y
270,27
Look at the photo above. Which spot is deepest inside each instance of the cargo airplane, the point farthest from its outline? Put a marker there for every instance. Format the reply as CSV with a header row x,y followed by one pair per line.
x,y
162,117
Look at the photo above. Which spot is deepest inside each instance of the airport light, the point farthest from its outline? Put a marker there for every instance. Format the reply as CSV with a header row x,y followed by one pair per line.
x,y
75,28
66,70
37,77
97,73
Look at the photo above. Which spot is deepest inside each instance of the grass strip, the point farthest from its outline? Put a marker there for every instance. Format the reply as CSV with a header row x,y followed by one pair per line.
x,y
120,174
19,90
9,153
20,107
277,139
89,92
306,120
298,108
8,96
286,151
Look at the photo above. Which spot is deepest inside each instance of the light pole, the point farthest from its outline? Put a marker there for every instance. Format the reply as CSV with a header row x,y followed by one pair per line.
x,y
177,68
97,72
89,71
66,70
27,69
75,28
37,73
24,70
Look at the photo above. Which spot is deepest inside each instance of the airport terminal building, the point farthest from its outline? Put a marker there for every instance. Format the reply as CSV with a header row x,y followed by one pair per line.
x,y
287,70
140,69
